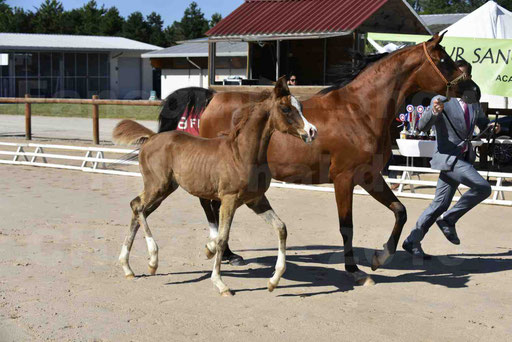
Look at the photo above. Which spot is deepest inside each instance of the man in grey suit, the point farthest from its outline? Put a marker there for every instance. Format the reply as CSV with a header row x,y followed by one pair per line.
x,y
454,122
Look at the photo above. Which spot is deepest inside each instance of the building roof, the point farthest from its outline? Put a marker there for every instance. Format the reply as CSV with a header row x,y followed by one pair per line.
x,y
438,22
25,41
199,48
317,17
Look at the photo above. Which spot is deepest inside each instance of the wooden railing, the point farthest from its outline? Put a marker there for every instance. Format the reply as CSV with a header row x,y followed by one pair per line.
x,y
94,102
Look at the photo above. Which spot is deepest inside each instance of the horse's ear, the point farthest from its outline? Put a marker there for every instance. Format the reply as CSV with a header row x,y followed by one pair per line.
x,y
281,89
437,38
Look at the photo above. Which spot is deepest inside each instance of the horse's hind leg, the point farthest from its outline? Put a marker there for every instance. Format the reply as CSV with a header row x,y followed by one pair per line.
x,y
127,246
378,189
263,209
211,209
227,211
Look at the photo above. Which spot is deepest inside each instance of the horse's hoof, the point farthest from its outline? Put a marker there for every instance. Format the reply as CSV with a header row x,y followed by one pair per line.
x,y
380,257
271,286
227,293
152,270
209,254
130,276
375,262
236,260
362,279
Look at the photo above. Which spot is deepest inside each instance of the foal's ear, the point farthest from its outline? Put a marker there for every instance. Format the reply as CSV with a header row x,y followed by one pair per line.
x,y
281,89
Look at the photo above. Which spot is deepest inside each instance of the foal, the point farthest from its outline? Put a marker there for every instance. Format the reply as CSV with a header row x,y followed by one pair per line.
x,y
232,170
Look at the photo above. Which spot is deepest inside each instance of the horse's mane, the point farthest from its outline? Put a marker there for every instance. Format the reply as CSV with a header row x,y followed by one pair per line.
x,y
241,116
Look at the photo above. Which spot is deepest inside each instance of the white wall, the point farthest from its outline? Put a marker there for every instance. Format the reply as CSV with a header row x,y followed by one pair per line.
x,y
497,101
174,79
131,77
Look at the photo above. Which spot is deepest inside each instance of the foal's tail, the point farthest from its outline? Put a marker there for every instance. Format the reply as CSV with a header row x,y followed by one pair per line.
x,y
129,132
188,101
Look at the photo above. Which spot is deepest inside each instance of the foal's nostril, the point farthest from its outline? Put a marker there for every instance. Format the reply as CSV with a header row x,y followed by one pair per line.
x,y
312,133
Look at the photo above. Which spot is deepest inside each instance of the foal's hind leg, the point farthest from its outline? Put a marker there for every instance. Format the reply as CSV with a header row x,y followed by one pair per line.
x,y
379,189
227,211
264,210
211,209
127,246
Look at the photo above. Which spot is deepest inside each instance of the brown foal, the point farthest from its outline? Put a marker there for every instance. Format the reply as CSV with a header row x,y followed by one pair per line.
x,y
232,169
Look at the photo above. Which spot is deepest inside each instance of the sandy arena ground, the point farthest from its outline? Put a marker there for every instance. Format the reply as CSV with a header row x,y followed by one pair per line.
x,y
61,233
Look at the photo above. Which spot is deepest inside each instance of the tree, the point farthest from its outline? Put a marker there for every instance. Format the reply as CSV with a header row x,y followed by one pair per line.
x,y
452,6
48,17
5,16
136,28
91,18
216,17
155,24
112,23
193,24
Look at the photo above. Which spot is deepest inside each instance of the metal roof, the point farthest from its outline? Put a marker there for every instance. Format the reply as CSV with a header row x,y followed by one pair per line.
x,y
199,48
313,17
26,41
442,19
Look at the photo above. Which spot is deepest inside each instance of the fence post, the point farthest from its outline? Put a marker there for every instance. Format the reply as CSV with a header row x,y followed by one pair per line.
x,y
95,121
28,119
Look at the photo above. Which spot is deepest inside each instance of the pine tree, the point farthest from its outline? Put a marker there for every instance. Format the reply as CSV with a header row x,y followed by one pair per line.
x,y
48,17
91,18
136,28
155,24
216,17
193,24
112,23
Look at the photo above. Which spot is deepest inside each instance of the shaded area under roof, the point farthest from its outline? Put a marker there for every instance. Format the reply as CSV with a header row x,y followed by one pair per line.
x,y
28,41
302,18
199,48
438,22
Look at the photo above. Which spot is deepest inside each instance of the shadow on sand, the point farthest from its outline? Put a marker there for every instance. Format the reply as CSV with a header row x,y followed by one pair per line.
x,y
323,268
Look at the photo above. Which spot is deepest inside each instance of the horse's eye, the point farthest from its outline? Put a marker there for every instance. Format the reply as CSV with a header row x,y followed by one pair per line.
x,y
286,110
442,60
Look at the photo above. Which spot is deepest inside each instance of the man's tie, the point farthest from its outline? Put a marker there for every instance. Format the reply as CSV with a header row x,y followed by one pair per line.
x,y
466,114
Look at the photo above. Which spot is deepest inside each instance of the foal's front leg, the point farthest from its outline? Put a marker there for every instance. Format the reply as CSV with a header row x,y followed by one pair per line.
x,y
227,211
263,209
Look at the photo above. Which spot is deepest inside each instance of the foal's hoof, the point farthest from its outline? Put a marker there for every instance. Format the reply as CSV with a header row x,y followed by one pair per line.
x,y
208,252
130,276
227,293
235,260
271,286
362,279
152,270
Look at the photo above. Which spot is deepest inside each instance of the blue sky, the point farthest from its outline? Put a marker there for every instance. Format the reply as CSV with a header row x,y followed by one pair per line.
x,y
170,10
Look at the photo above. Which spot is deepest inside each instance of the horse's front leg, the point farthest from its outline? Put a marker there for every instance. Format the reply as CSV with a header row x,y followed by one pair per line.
x,y
263,209
227,211
378,189
211,209
343,187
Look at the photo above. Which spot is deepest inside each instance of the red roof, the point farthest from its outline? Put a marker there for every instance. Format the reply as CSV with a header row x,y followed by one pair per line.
x,y
296,17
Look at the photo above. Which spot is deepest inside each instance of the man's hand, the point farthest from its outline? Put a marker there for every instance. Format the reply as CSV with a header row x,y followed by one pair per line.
x,y
498,127
438,107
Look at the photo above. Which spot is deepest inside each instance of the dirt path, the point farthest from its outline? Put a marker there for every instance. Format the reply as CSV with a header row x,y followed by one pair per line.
x,y
61,233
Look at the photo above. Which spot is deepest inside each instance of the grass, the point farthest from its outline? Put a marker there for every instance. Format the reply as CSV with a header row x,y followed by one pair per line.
x,y
84,111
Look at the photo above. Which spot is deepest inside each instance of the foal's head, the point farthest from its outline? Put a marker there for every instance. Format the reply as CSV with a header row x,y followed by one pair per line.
x,y
286,114
440,74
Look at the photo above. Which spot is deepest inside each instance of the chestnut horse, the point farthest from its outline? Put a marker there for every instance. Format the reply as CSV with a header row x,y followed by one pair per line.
x,y
353,122
226,169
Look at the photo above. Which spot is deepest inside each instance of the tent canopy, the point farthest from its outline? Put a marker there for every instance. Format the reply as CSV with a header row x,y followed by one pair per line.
x,y
488,21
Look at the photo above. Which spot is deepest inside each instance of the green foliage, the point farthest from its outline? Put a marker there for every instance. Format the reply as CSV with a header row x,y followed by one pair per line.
x,y
452,6
90,19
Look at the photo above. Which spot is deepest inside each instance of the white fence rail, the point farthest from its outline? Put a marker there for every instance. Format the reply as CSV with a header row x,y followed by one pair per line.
x,y
98,164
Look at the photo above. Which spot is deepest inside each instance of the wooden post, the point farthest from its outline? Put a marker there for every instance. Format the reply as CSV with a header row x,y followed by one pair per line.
x,y
95,122
28,119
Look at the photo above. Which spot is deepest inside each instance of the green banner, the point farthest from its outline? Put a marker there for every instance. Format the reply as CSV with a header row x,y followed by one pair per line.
x,y
491,58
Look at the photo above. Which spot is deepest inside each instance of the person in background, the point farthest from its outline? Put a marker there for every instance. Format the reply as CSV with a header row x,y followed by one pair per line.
x,y
455,122
292,80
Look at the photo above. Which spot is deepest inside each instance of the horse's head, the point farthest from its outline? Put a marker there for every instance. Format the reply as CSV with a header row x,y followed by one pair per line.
x,y
286,114
439,74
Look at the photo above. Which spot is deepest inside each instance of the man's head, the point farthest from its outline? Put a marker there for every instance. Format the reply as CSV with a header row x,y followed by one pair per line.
x,y
464,66
292,80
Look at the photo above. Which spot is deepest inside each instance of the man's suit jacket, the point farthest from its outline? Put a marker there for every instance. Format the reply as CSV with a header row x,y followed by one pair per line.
x,y
450,146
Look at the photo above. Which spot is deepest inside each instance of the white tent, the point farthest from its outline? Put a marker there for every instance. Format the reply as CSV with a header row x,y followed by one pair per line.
x,y
489,21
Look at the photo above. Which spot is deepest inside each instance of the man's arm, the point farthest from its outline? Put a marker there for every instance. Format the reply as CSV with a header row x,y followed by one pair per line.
x,y
430,116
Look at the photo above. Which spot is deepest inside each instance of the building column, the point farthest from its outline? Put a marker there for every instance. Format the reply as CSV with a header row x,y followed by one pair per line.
x,y
212,52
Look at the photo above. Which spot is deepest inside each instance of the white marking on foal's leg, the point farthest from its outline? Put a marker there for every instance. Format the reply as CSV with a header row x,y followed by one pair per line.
x,y
123,259
153,254
271,217
214,230
308,127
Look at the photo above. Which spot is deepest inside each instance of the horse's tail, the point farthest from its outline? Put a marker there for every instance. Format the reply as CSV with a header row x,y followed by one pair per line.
x,y
188,101
129,132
